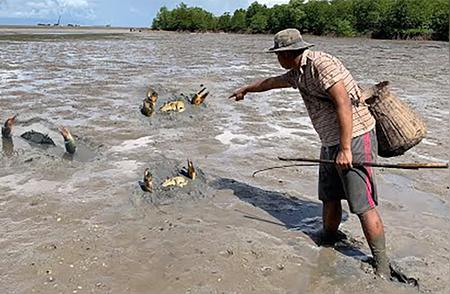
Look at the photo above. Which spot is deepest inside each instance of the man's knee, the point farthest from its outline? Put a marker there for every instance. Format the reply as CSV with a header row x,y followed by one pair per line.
x,y
368,214
371,222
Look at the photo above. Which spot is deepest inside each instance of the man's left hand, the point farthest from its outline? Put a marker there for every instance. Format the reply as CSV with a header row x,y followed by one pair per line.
x,y
344,159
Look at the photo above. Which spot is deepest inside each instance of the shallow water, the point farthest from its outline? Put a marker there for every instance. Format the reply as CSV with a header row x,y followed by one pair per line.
x,y
79,224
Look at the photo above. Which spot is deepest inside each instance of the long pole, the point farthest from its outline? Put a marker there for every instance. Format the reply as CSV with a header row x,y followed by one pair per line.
x,y
413,165
283,166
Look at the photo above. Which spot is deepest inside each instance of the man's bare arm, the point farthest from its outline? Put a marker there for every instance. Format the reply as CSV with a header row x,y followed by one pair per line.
x,y
341,100
261,86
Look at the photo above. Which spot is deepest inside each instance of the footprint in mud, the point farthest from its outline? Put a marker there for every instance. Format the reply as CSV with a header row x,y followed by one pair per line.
x,y
171,182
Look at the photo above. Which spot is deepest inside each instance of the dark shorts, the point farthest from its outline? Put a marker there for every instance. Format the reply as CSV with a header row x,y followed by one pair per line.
x,y
357,185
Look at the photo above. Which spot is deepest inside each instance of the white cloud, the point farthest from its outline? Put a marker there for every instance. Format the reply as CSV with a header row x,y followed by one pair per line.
x,y
47,8
74,3
269,3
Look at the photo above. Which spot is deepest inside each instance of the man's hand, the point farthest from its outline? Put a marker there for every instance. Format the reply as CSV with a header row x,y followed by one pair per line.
x,y
261,86
239,94
344,158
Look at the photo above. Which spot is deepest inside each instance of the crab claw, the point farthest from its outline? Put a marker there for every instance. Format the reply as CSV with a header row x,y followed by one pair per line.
x,y
199,98
148,107
69,141
191,170
152,95
201,91
148,178
10,121
7,128
65,133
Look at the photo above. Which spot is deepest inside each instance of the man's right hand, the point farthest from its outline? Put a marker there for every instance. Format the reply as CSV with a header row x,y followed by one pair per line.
x,y
239,94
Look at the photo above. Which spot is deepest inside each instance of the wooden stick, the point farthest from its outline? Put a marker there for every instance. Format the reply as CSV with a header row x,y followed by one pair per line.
x,y
413,165
284,166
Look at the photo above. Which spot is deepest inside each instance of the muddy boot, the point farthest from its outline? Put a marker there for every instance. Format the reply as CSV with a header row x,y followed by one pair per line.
x,y
382,268
327,239
381,261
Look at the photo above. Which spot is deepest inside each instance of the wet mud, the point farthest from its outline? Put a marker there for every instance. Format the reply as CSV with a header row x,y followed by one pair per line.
x,y
192,115
82,224
165,168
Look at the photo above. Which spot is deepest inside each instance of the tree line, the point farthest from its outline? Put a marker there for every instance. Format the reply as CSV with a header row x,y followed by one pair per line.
x,y
386,19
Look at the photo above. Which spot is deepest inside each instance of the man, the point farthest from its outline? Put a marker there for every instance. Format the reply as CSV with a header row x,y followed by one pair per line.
x,y
346,130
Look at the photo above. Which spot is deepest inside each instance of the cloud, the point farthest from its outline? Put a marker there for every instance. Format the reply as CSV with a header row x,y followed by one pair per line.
x,y
115,12
74,3
47,9
269,3
3,5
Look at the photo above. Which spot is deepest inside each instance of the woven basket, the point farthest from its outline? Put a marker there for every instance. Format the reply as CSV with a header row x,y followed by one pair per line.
x,y
399,128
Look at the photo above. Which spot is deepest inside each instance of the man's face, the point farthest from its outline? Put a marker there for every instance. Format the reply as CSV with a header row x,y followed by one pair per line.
x,y
285,60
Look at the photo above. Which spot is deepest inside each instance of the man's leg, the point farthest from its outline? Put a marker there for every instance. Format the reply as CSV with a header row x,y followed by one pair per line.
x,y
331,218
331,191
372,226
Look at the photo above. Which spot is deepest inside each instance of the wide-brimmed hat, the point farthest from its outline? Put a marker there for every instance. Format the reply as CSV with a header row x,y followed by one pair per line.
x,y
288,40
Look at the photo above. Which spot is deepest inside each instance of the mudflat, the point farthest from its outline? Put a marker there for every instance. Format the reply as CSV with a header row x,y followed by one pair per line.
x,y
82,224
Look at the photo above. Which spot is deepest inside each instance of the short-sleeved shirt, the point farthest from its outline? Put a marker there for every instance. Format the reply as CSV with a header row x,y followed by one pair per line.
x,y
319,71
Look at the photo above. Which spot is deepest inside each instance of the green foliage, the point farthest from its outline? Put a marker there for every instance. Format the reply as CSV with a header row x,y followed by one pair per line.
x,y
256,18
371,15
258,23
440,20
342,28
285,16
401,19
224,22
238,23
184,18
318,15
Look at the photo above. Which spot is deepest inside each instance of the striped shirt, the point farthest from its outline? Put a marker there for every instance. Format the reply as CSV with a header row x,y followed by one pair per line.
x,y
319,71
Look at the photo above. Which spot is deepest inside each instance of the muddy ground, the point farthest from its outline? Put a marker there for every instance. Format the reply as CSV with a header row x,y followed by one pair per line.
x,y
82,224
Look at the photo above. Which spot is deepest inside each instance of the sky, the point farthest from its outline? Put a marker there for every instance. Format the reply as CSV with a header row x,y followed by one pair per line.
x,y
131,13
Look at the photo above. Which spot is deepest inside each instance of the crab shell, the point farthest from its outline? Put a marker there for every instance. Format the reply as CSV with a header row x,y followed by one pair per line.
x,y
177,106
175,181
